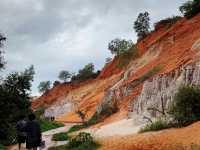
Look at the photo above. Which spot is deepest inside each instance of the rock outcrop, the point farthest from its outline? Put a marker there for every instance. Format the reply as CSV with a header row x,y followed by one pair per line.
x,y
158,93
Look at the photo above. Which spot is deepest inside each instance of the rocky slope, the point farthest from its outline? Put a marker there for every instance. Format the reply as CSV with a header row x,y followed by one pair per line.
x,y
168,57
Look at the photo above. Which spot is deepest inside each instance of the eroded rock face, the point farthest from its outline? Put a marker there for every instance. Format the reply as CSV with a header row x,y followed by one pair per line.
x,y
59,109
160,91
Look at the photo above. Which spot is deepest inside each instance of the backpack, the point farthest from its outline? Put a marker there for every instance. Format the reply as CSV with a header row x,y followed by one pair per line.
x,y
20,127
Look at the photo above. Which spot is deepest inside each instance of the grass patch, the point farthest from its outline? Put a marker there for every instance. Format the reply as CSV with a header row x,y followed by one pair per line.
x,y
83,141
46,125
60,136
155,126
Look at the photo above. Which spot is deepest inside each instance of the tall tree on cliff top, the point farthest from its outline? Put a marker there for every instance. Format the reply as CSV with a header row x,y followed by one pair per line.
x,y
64,75
141,25
44,86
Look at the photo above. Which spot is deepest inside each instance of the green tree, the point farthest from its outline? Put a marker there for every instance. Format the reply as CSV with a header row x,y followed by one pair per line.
x,y
186,105
44,86
64,75
14,99
118,46
2,38
141,25
190,8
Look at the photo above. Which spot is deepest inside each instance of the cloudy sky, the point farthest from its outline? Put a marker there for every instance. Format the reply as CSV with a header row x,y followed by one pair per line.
x,y
56,35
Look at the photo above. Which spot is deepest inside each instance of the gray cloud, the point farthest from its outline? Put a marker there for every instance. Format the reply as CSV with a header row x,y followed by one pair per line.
x,y
66,34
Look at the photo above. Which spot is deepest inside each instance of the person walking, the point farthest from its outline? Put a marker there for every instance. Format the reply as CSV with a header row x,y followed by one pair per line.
x,y
33,131
20,128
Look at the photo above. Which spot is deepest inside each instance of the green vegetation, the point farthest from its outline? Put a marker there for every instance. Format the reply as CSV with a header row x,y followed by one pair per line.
x,y
44,86
185,109
14,101
190,8
82,141
46,125
168,22
85,74
141,25
60,136
186,105
119,46
155,126
64,75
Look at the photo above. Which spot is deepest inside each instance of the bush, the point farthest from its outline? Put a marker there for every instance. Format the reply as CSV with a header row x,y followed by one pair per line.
x,y
168,22
119,46
48,125
85,74
192,147
190,8
185,108
60,136
127,56
155,126
82,141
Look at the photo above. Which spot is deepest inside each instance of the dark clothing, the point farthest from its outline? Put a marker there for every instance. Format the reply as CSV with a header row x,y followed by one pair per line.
x,y
33,138
21,139
21,134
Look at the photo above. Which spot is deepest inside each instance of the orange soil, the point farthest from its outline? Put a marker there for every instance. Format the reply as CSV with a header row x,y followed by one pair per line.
x,y
175,44
162,140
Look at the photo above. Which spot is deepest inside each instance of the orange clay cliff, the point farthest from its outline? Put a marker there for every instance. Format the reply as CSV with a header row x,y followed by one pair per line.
x,y
174,50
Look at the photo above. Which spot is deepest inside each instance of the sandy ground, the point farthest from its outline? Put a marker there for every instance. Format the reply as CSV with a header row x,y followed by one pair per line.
x,y
169,139
121,128
47,136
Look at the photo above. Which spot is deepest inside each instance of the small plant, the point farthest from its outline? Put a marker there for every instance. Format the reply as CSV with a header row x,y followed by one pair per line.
x,y
60,136
155,126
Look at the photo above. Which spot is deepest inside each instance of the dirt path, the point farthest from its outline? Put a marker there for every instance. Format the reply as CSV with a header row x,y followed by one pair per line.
x,y
47,136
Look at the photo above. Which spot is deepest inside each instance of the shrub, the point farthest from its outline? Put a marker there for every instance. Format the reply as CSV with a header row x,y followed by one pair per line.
x,y
127,56
82,141
185,108
85,74
60,136
119,46
155,126
168,22
190,8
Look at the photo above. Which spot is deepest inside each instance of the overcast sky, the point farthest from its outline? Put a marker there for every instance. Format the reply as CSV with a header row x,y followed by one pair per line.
x,y
56,35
